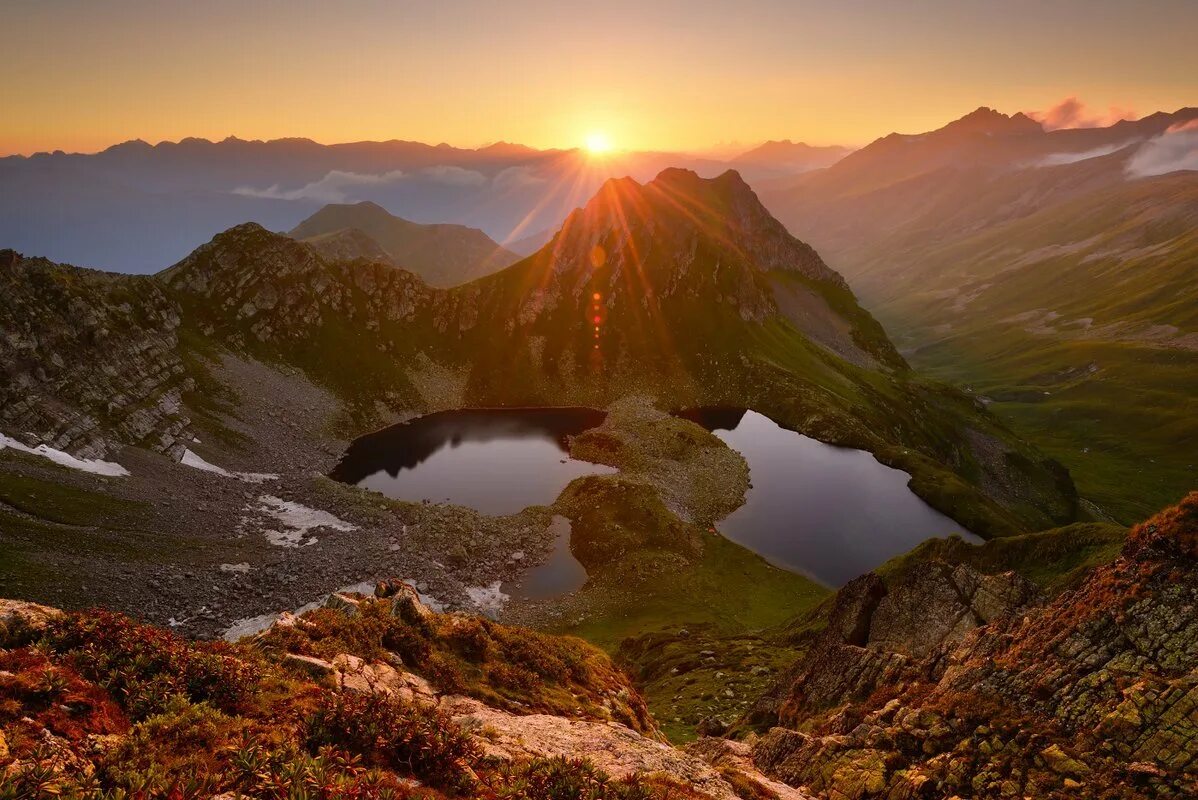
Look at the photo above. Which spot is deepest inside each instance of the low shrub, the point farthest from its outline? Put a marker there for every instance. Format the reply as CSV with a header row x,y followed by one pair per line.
x,y
389,733
144,667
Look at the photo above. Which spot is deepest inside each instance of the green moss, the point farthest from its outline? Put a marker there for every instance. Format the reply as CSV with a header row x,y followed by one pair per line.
x,y
60,502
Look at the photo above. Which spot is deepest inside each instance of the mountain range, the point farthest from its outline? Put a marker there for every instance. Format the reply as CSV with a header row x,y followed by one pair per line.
x,y
167,443
1045,270
135,206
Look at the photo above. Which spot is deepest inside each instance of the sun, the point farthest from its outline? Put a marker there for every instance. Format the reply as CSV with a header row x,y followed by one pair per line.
x,y
597,143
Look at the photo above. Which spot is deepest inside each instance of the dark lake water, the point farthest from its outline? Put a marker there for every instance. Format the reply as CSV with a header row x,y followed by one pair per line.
x,y
831,513
497,461
560,574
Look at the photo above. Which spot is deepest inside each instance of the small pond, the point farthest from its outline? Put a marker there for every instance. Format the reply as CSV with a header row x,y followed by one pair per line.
x,y
559,575
497,461
831,513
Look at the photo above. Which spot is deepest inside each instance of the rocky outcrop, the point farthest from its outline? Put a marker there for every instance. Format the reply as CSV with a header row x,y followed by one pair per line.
x,y
877,635
19,618
936,605
88,360
1092,694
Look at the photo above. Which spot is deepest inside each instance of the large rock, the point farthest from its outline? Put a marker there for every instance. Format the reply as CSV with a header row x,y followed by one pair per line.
x,y
936,604
19,619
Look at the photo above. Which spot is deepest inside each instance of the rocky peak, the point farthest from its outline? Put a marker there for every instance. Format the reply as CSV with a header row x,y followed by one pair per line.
x,y
667,222
992,123
1090,694
88,359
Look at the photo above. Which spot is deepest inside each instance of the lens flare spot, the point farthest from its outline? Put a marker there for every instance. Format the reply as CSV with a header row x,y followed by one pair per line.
x,y
598,256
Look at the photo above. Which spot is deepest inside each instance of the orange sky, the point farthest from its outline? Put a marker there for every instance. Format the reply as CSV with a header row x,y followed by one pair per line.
x,y
678,76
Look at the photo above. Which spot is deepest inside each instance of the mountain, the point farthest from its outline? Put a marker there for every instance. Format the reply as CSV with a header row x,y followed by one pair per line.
x,y
937,678
135,206
1043,269
778,158
443,255
346,244
166,438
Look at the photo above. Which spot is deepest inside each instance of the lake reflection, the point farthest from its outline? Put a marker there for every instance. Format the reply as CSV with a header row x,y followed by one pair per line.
x,y
831,513
497,461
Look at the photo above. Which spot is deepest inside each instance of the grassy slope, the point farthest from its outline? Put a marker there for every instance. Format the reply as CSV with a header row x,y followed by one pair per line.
x,y
1126,428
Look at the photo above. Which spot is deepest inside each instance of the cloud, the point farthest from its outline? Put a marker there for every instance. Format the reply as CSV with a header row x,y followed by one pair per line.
x,y
453,176
332,188
514,178
1056,159
338,186
1073,113
1175,149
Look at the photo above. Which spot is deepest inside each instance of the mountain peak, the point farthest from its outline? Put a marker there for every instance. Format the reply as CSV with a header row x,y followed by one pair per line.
x,y
443,255
679,212
990,122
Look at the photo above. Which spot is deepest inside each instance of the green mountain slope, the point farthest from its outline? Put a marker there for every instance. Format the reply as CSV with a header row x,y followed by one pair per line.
x,y
443,255
683,289
1044,273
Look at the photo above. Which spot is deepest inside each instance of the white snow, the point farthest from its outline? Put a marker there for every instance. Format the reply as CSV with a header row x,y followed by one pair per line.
x,y
248,626
92,465
251,625
296,520
192,459
488,598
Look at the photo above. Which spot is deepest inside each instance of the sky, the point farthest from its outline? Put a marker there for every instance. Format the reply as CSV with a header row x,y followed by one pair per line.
x,y
82,75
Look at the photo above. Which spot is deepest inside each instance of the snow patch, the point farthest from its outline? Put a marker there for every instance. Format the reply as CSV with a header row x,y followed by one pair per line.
x,y
92,465
296,520
248,626
191,459
242,567
488,599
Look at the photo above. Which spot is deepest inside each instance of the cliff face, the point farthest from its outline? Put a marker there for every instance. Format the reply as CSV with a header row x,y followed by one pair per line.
x,y
88,359
995,693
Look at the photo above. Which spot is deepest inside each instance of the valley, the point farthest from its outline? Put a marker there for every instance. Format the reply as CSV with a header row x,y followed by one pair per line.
x,y
1047,272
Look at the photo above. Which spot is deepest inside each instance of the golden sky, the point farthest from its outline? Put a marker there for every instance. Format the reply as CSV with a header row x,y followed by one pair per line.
x,y
80,76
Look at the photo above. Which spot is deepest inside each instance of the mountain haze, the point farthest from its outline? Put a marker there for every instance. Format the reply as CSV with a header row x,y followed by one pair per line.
x,y
443,255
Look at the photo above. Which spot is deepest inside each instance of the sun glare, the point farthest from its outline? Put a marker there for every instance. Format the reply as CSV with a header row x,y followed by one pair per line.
x,y
597,143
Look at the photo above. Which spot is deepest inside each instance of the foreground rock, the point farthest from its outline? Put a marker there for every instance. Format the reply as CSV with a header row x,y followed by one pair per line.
x,y
950,683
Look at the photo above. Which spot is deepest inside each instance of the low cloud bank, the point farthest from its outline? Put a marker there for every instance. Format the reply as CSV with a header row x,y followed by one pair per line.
x,y
1175,149
1057,159
338,186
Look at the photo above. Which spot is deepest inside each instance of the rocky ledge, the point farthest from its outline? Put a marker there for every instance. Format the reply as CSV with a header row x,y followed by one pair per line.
x,y
951,683
369,697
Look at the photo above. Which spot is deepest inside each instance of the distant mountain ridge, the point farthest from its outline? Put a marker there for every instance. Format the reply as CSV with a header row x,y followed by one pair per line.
x,y
137,206
443,255
784,156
